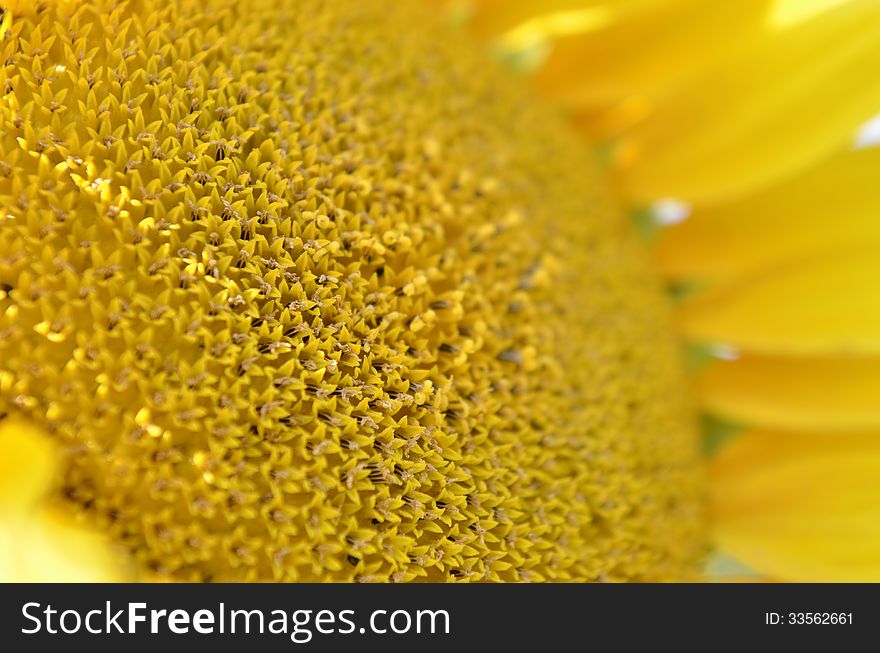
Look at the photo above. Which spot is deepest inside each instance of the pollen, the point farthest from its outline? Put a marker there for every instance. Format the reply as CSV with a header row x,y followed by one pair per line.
x,y
309,291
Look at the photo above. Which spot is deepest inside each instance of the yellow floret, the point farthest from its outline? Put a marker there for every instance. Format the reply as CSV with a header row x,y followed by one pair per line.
x,y
308,291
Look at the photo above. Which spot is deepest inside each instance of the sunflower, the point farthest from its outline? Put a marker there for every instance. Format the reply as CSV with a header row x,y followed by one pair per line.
x,y
291,304
743,135
303,291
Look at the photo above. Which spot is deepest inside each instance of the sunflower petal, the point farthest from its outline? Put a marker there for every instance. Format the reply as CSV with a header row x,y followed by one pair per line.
x,y
607,58
827,307
788,394
800,507
650,49
790,98
27,464
49,546
833,206
40,542
491,18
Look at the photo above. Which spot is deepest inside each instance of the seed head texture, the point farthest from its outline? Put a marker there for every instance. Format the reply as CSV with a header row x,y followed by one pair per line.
x,y
309,291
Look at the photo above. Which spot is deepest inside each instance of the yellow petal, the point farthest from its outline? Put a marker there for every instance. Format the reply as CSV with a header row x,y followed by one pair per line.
x,y
27,464
490,18
39,541
604,58
795,394
787,100
800,507
826,307
791,12
50,546
834,205
604,123
649,49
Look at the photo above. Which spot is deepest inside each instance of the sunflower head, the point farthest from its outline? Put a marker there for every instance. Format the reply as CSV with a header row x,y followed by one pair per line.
x,y
298,300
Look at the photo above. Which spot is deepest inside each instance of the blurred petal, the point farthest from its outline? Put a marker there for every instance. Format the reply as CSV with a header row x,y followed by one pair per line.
x,y
834,205
490,18
27,465
40,542
827,307
654,46
795,394
605,56
804,507
790,98
604,123
49,546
